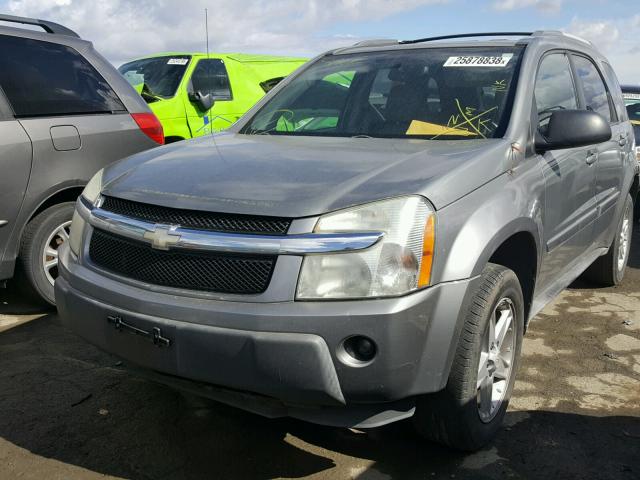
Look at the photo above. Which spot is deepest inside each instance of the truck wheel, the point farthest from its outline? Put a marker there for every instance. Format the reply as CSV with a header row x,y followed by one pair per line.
x,y
38,260
468,413
608,270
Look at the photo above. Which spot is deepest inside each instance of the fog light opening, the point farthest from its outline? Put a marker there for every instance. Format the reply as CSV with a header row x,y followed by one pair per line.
x,y
357,351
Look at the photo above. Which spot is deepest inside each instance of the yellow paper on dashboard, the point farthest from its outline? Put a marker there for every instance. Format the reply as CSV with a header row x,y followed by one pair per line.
x,y
418,127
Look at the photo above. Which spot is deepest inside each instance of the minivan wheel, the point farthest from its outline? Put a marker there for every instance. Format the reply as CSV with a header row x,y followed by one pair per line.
x,y
608,270
38,263
467,414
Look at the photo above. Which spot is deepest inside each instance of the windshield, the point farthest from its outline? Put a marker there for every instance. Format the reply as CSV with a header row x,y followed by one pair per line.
x,y
160,75
435,93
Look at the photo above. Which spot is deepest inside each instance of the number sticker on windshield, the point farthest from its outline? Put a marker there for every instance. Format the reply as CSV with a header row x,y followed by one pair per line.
x,y
479,61
178,61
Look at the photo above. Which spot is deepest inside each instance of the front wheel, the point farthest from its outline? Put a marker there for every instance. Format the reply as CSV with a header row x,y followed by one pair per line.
x,y
38,263
468,413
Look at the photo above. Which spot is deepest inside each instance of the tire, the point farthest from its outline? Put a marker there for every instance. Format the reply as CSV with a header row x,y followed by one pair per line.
x,y
45,230
459,416
608,270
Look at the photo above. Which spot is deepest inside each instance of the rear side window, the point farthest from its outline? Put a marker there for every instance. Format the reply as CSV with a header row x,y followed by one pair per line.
x,y
616,91
595,92
210,77
47,79
554,88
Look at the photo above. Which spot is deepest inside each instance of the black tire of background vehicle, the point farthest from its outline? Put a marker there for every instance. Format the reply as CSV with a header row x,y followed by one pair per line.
x,y
30,272
604,271
450,417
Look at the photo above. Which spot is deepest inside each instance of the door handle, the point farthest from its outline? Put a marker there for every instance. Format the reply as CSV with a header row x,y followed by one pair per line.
x,y
622,140
592,157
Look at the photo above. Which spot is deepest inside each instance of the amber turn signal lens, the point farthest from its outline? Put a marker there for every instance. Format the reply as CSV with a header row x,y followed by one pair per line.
x,y
428,245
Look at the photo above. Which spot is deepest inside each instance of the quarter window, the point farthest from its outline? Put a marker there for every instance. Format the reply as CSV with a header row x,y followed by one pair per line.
x,y
47,79
554,88
595,92
210,77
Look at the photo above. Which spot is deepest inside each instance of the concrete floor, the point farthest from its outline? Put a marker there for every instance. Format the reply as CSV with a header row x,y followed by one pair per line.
x,y
68,412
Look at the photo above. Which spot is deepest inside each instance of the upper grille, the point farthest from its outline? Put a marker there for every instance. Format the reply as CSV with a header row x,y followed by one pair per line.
x,y
202,271
199,220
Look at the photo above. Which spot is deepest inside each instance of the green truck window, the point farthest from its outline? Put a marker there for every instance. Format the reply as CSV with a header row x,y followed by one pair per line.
x,y
210,77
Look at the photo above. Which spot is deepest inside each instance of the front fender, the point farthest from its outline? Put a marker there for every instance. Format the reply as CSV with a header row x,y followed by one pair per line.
x,y
471,229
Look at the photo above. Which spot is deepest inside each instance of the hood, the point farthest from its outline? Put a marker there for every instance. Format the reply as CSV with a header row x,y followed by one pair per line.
x,y
303,176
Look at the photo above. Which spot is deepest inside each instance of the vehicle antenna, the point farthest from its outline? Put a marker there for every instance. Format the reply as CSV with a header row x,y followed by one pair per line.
x,y
206,29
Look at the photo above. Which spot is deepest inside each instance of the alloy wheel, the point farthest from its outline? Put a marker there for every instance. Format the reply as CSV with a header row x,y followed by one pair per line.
x,y
624,239
496,360
50,253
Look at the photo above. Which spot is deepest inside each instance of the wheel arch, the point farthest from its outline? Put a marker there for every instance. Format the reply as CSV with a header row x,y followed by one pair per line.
x,y
67,192
516,246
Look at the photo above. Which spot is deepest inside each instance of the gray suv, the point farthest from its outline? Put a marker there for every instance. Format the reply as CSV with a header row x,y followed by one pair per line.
x,y
65,112
369,242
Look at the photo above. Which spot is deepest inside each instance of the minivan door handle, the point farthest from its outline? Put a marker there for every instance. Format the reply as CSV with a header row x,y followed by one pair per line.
x,y
592,157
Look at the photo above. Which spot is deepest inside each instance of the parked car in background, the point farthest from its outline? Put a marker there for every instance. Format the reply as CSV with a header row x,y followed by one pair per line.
x,y
631,95
193,94
370,241
65,113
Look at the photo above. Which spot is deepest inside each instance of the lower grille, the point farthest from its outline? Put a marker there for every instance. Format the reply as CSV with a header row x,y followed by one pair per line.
x,y
202,271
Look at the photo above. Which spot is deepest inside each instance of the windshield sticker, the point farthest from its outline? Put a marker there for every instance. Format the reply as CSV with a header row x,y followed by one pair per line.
x,y
479,61
631,96
178,61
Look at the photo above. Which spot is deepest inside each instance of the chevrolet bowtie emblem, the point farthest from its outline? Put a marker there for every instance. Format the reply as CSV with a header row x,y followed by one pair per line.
x,y
162,237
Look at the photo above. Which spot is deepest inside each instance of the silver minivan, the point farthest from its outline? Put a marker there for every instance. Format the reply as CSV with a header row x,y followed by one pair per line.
x,y
65,112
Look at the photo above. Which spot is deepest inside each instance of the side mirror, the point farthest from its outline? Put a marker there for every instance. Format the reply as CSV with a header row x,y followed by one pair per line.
x,y
573,128
204,102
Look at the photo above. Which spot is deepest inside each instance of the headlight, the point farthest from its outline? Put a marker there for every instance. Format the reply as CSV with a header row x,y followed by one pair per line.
x,y
75,235
93,188
398,264
91,192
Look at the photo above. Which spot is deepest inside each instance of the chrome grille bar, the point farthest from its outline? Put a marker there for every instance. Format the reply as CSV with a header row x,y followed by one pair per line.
x,y
166,237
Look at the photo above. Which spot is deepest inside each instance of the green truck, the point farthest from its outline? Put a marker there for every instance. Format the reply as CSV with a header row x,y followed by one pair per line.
x,y
194,94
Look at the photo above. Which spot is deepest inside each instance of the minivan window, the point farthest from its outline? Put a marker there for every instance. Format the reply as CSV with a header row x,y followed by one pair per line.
x,y
554,89
47,79
433,93
160,76
210,77
595,91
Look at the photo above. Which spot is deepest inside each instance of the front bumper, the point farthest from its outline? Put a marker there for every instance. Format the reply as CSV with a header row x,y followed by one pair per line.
x,y
277,359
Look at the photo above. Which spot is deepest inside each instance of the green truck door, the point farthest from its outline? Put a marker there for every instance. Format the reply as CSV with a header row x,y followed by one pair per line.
x,y
210,77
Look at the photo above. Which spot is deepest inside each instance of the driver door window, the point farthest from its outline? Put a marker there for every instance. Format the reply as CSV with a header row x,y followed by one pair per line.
x,y
554,88
210,77
596,96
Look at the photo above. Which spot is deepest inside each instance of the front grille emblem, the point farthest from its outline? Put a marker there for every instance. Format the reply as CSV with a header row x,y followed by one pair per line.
x,y
162,237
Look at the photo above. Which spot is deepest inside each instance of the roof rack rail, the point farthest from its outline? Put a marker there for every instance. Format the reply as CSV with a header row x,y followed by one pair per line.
x,y
468,35
49,27
376,42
